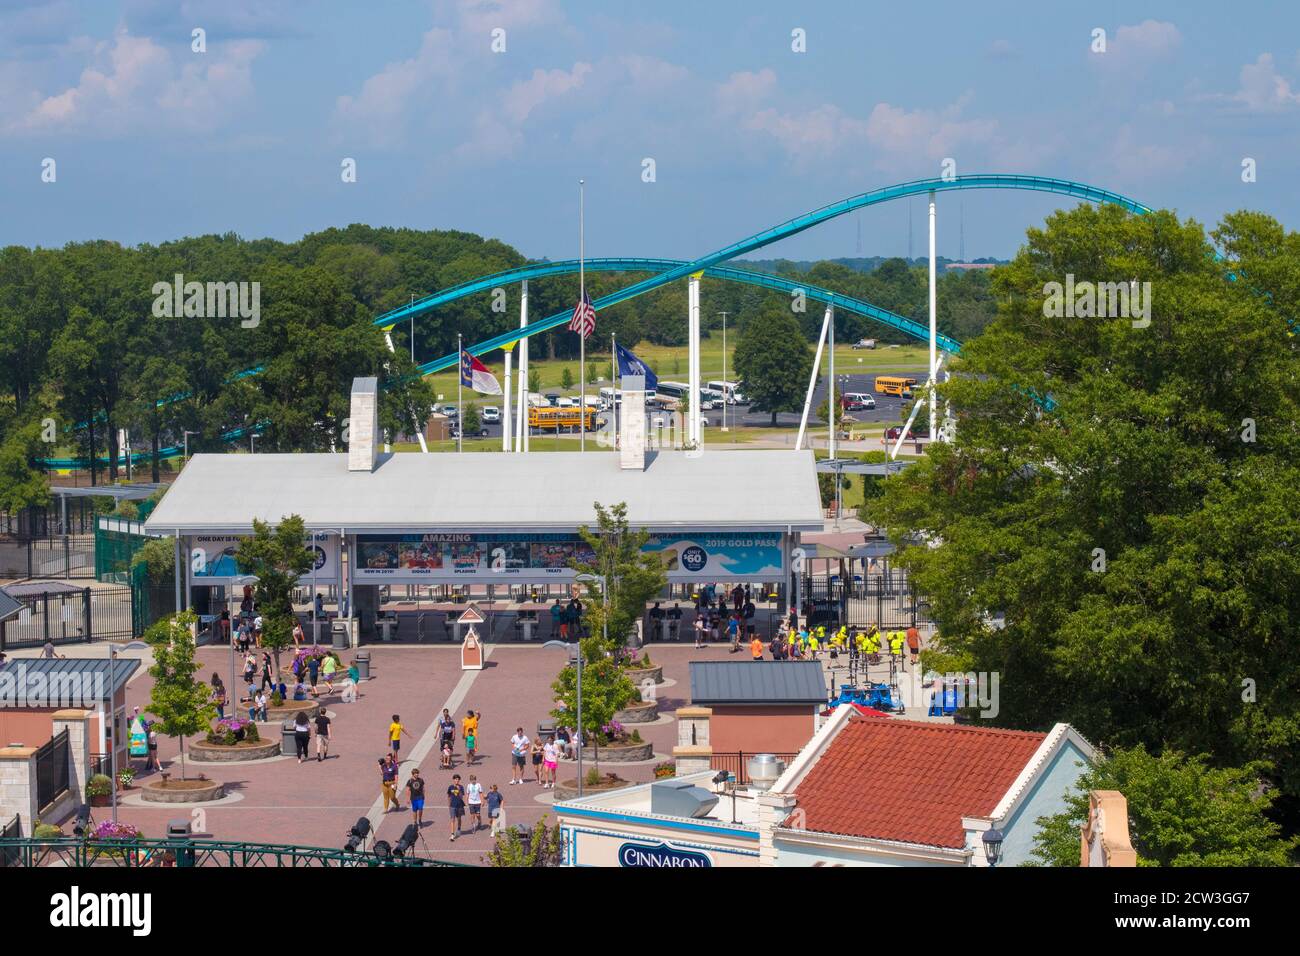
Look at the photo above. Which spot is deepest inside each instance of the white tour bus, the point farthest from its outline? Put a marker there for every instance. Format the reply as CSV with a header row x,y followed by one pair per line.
x,y
731,390
709,398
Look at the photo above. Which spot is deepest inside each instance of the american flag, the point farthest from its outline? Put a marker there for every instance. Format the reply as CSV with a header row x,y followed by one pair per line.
x,y
584,317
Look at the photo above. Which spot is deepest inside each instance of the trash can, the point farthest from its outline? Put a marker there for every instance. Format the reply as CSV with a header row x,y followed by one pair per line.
x,y
181,832
288,746
339,635
363,664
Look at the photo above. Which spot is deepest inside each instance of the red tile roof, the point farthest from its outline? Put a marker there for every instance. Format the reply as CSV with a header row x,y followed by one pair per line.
x,y
910,781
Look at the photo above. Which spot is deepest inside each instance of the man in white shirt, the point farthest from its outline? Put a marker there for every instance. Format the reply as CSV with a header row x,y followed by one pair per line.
x,y
474,798
519,745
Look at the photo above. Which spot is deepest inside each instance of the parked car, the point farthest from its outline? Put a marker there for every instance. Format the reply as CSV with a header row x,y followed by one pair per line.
x,y
918,430
865,344
491,414
856,401
451,411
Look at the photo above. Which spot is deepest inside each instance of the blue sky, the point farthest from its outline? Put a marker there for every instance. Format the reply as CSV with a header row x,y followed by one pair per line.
x,y
153,141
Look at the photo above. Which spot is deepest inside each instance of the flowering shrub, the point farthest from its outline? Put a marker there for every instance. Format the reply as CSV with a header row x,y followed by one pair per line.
x,y
125,777
231,730
665,769
114,830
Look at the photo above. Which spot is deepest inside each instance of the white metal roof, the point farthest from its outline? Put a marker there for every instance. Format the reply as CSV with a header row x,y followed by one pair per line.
x,y
745,490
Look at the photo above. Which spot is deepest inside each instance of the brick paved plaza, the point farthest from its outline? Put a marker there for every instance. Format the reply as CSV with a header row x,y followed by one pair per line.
x,y
278,800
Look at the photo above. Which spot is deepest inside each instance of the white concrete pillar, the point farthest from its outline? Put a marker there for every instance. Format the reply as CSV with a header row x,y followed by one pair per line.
x,y
693,431
506,398
521,443
934,329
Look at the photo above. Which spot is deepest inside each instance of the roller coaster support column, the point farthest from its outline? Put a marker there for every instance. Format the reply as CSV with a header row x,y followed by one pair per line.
x,y
521,440
812,379
505,404
934,331
693,431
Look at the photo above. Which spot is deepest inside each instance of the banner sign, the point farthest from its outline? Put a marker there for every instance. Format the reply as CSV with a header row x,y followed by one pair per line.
x,y
660,856
442,557
725,556
212,558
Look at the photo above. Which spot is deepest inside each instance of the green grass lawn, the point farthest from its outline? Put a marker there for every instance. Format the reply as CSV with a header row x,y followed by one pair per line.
x,y
670,362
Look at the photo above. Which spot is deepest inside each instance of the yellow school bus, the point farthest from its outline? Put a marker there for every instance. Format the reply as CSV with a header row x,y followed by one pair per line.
x,y
557,418
895,385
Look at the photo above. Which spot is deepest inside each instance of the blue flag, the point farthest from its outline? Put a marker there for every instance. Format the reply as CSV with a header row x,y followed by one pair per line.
x,y
629,364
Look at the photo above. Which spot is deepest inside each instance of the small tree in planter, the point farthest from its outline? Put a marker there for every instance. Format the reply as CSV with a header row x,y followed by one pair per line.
x,y
278,556
544,847
632,576
182,704
605,691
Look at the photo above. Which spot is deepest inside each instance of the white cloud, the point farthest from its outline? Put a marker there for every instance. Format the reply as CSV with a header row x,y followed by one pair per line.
x,y
132,82
1263,89
384,100
745,90
522,98
1150,38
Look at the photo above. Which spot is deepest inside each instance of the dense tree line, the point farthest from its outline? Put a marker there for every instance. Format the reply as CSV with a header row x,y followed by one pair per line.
x,y
80,345
1116,528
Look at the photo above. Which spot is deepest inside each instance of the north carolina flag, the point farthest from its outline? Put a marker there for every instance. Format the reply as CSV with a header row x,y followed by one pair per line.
x,y
474,374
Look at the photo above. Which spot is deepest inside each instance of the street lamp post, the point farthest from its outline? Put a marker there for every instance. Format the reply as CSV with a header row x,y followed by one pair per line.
x,y
112,715
575,649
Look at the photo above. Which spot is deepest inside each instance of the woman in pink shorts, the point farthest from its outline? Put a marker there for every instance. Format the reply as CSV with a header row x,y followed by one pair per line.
x,y
550,761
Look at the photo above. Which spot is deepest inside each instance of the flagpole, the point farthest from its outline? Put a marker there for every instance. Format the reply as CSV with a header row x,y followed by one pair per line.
x,y
460,408
582,339
613,382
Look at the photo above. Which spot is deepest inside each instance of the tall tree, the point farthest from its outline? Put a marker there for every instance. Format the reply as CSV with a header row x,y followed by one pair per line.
x,y
632,577
182,705
278,557
774,361
1121,492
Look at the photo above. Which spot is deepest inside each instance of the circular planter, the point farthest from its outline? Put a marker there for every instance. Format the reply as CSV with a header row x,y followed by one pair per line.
x,y
289,710
182,791
245,750
637,674
568,789
620,753
640,712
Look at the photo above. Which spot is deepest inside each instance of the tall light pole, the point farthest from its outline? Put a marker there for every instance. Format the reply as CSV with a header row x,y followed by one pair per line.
x,y
724,370
575,657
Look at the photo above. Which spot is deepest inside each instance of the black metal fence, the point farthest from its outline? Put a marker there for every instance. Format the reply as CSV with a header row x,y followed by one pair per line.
x,y
70,616
735,764
888,601
11,855
77,516
52,770
64,556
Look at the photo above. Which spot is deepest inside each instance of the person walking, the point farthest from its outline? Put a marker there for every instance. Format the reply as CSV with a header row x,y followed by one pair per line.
x,y
913,644
388,781
446,733
219,696
250,667
519,745
455,806
699,629
268,677
322,735
415,791
558,621
328,668
756,648
474,800
495,801
395,731
733,631
301,734
313,673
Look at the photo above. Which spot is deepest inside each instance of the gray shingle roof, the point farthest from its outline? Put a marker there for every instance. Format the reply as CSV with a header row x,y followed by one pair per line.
x,y
770,489
757,682
70,682
8,606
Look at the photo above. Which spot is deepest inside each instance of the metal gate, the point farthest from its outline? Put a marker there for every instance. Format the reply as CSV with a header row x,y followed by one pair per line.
x,y
52,770
59,614
888,601
11,855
